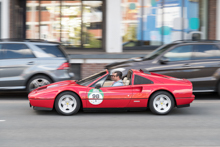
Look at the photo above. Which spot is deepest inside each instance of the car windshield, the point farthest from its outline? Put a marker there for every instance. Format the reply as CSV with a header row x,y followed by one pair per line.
x,y
88,80
157,52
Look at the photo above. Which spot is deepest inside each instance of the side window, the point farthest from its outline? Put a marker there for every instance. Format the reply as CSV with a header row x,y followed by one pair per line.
x,y
108,82
52,50
180,53
16,51
105,82
1,52
101,81
206,51
141,80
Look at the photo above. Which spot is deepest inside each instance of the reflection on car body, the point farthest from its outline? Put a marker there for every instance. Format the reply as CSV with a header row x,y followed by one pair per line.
x,y
197,61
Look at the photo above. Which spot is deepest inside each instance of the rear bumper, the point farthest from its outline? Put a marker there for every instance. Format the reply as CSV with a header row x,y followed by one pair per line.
x,y
61,75
182,106
184,101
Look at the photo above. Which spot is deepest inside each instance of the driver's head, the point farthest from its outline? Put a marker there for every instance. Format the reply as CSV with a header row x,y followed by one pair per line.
x,y
117,75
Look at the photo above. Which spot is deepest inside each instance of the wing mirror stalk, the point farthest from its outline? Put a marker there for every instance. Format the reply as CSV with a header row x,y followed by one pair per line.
x,y
98,86
164,60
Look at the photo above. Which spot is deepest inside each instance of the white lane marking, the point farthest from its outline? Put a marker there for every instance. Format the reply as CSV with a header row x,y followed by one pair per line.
x,y
206,101
14,101
2,120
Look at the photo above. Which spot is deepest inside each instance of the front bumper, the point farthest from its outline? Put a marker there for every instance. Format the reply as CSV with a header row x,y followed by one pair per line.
x,y
42,108
45,103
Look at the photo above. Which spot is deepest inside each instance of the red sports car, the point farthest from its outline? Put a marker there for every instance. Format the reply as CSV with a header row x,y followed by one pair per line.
x,y
141,89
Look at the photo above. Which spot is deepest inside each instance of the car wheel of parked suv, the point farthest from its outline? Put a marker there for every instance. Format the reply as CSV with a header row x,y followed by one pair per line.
x,y
38,81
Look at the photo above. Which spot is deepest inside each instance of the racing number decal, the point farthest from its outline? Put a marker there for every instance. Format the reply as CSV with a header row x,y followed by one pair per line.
x,y
95,96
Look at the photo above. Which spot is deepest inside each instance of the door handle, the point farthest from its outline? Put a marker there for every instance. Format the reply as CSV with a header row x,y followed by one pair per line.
x,y
186,65
30,63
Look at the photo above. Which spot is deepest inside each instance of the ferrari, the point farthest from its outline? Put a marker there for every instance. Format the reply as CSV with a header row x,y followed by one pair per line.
x,y
141,90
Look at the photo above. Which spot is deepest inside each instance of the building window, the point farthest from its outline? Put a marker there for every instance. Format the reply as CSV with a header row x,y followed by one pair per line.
x,y
32,20
75,23
131,18
50,20
157,22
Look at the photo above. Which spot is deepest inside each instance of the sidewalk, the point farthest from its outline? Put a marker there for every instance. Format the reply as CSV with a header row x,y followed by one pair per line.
x,y
77,56
85,63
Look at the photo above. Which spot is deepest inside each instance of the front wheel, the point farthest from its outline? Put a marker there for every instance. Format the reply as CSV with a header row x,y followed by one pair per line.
x,y
161,103
67,103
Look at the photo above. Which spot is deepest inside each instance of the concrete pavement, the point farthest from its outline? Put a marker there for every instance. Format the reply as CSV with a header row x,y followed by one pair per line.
x,y
21,126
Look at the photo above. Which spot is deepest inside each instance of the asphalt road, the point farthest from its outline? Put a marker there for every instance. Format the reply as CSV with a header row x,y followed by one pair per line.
x,y
21,126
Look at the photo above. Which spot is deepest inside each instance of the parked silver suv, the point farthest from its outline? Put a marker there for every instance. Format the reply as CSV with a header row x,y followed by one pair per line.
x,y
26,65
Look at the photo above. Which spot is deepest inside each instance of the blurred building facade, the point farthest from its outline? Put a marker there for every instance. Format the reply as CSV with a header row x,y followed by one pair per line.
x,y
104,28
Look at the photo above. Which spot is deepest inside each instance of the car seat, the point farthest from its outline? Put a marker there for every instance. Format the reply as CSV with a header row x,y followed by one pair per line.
x,y
126,81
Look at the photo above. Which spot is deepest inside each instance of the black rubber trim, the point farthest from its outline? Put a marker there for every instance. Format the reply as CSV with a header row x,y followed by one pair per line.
x,y
181,106
42,108
117,99
115,109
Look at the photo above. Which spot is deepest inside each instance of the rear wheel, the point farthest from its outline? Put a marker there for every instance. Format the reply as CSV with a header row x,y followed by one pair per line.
x,y
67,103
161,103
38,81
218,88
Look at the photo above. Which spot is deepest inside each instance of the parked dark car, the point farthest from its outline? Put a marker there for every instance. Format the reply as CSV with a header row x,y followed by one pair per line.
x,y
197,61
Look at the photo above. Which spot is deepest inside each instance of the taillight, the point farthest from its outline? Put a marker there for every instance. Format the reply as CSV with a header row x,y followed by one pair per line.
x,y
65,65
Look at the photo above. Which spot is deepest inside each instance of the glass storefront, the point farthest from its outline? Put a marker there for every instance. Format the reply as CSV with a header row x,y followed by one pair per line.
x,y
75,23
157,22
71,23
32,20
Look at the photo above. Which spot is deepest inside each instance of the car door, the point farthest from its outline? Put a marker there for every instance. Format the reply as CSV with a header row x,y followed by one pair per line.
x,y
205,67
175,62
17,58
108,97
1,57
141,91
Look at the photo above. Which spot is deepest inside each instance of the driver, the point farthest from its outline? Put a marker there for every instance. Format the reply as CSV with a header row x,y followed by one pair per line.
x,y
116,77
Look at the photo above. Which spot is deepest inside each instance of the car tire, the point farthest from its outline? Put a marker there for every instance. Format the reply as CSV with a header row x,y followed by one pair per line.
x,y
38,81
161,103
67,103
218,88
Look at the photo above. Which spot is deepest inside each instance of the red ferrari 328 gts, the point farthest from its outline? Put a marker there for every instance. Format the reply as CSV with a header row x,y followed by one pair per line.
x,y
141,90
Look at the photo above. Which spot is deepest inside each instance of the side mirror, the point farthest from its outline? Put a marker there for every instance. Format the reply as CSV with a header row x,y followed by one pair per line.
x,y
164,60
71,75
98,86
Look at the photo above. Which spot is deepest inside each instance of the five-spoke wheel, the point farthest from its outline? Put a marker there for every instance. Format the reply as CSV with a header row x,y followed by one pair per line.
x,y
67,103
161,102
